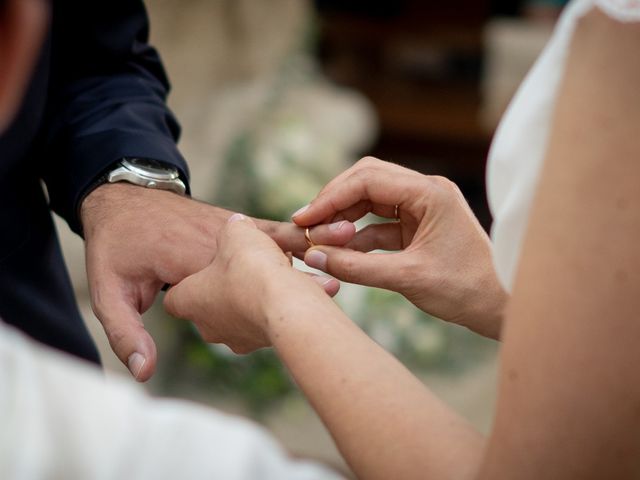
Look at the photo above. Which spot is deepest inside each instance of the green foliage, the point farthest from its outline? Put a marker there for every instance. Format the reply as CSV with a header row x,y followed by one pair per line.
x,y
257,381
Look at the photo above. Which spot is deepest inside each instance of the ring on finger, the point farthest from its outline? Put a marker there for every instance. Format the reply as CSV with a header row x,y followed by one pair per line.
x,y
307,237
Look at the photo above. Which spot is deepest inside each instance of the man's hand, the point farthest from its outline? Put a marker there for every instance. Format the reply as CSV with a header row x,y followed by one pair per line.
x,y
138,239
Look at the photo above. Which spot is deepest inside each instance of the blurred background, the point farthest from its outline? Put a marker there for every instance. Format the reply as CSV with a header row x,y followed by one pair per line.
x,y
276,97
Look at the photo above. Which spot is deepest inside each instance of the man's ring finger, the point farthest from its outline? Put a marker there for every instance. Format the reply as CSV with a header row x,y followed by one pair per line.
x,y
307,236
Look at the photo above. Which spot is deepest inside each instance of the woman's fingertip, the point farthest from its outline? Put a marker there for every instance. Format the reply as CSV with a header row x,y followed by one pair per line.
x,y
300,211
332,287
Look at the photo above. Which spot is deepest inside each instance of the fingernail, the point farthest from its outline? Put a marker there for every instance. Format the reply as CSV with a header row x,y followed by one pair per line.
x,y
320,280
300,210
316,259
337,225
235,217
135,362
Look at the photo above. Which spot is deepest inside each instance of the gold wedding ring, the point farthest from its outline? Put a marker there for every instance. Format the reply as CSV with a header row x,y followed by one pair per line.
x,y
307,236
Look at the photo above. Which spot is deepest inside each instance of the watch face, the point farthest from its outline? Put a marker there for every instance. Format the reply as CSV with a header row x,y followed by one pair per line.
x,y
150,168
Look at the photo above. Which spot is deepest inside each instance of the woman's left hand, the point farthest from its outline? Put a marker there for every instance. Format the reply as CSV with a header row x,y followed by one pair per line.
x,y
229,300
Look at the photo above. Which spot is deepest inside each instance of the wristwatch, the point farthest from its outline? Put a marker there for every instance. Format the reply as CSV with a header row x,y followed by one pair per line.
x,y
147,173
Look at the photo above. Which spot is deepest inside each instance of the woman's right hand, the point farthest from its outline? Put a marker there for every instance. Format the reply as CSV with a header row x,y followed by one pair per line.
x,y
443,264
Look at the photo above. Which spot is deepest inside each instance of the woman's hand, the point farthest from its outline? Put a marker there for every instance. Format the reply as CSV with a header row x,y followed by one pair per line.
x,y
444,263
229,300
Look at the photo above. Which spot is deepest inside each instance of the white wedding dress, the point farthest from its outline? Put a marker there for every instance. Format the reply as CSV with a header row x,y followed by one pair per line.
x,y
520,143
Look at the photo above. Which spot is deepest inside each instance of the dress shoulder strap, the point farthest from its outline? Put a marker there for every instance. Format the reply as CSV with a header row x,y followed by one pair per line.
x,y
621,10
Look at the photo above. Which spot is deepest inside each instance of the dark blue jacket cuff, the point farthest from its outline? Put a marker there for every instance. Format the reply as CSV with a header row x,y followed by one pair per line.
x,y
94,155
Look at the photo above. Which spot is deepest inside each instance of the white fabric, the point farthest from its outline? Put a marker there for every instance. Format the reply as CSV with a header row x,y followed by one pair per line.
x,y
520,142
61,419
621,10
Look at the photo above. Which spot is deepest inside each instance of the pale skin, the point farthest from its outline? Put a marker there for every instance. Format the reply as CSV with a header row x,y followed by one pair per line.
x,y
569,401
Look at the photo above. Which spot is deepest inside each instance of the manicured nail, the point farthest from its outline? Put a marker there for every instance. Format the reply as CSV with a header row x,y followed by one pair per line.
x,y
320,280
135,362
235,217
300,210
337,225
316,259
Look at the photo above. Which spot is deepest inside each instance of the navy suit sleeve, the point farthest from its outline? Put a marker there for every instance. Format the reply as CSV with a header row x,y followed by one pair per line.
x,y
107,95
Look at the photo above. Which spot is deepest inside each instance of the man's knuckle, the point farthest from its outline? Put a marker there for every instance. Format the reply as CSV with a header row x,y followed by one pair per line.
x,y
116,336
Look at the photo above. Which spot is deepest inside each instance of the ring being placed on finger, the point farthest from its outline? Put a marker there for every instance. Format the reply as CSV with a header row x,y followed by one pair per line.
x,y
307,237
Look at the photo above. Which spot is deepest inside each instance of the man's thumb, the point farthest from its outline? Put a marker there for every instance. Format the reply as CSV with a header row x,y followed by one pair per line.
x,y
127,336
